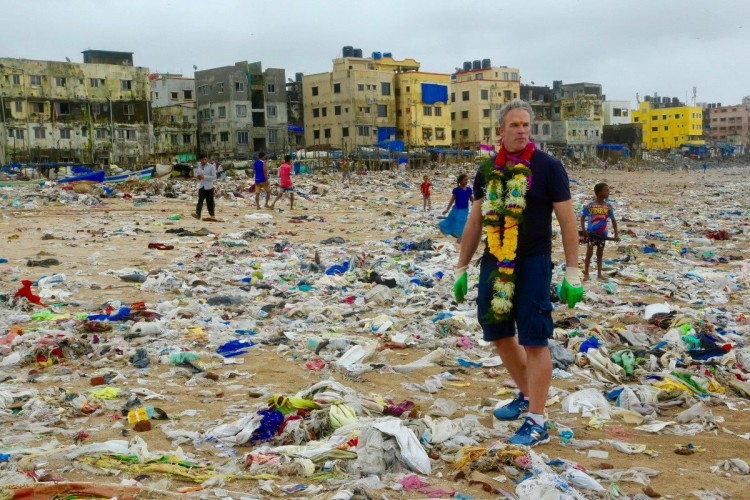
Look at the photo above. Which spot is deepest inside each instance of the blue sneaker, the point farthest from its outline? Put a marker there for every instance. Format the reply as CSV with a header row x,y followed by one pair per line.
x,y
512,410
530,434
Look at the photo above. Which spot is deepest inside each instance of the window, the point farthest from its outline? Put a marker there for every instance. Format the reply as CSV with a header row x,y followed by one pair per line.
x,y
273,136
187,95
19,106
465,114
453,115
479,76
316,112
59,81
314,91
223,112
271,88
654,129
97,82
486,131
130,135
126,84
337,110
19,133
654,117
363,131
385,88
535,129
62,108
464,132
545,128
440,134
224,136
485,113
666,127
271,110
484,94
365,110
186,138
514,76
382,111
316,134
360,87
64,133
427,110
465,95
241,112
323,112
101,133
173,96
37,107
453,97
204,89
344,131
507,95
505,75
242,137
35,80
239,86
327,133
128,109
173,139
39,133
336,88
438,111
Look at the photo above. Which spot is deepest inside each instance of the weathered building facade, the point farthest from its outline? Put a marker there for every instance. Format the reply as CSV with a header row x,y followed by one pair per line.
x,y
730,125
423,116
667,123
478,91
92,112
174,118
241,110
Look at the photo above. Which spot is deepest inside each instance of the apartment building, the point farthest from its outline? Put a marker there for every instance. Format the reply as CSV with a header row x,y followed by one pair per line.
x,y
668,123
478,90
423,116
730,124
174,118
95,111
615,112
355,103
295,113
241,110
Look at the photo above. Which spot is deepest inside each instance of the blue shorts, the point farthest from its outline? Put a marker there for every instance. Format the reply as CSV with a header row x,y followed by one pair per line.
x,y
532,308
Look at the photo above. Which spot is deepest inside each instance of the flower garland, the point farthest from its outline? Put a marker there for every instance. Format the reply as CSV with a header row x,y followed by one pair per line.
x,y
508,180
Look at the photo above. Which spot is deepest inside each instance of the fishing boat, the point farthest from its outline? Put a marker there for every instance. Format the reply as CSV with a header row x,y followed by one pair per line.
x,y
126,176
90,177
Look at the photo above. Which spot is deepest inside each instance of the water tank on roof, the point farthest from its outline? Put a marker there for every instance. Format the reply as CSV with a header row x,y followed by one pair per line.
x,y
665,100
486,64
675,100
477,64
357,52
377,55
467,65
388,54
647,98
348,51
298,77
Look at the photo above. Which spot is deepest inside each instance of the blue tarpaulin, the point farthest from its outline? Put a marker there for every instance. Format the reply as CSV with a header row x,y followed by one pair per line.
x,y
393,146
385,133
295,128
434,92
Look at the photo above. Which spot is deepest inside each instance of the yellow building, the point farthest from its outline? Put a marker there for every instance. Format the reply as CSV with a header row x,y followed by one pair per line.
x,y
477,92
668,127
353,105
423,116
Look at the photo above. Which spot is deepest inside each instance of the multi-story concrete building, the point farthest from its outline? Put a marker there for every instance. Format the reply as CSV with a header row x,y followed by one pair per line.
x,y
295,113
174,118
667,123
541,99
615,112
97,111
354,104
730,125
423,116
478,90
242,110
576,118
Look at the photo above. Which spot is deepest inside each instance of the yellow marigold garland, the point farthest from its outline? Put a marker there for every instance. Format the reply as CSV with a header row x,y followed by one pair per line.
x,y
503,207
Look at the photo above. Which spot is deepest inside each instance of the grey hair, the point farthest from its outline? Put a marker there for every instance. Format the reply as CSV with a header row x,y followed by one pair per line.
x,y
514,104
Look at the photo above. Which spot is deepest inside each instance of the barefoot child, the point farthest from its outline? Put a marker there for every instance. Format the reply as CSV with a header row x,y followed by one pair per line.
x,y
594,226
285,182
425,187
462,197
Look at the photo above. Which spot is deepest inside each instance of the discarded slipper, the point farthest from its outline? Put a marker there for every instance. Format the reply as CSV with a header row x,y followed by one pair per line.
x,y
160,246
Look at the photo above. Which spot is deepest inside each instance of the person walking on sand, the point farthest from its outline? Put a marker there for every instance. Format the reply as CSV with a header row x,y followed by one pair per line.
x,y
516,193
285,182
594,227
261,180
206,174
425,188
453,225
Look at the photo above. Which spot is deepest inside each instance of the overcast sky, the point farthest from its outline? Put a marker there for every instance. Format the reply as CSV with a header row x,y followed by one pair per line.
x,y
629,46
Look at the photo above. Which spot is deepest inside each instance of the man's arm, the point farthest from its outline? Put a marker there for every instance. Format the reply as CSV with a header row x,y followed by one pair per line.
x,y
471,236
567,219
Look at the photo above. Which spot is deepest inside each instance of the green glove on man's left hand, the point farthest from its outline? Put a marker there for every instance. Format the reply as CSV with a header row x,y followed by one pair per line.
x,y
572,290
461,285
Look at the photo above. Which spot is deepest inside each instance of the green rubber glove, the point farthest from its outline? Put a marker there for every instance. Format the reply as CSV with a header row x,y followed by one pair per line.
x,y
572,290
461,285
